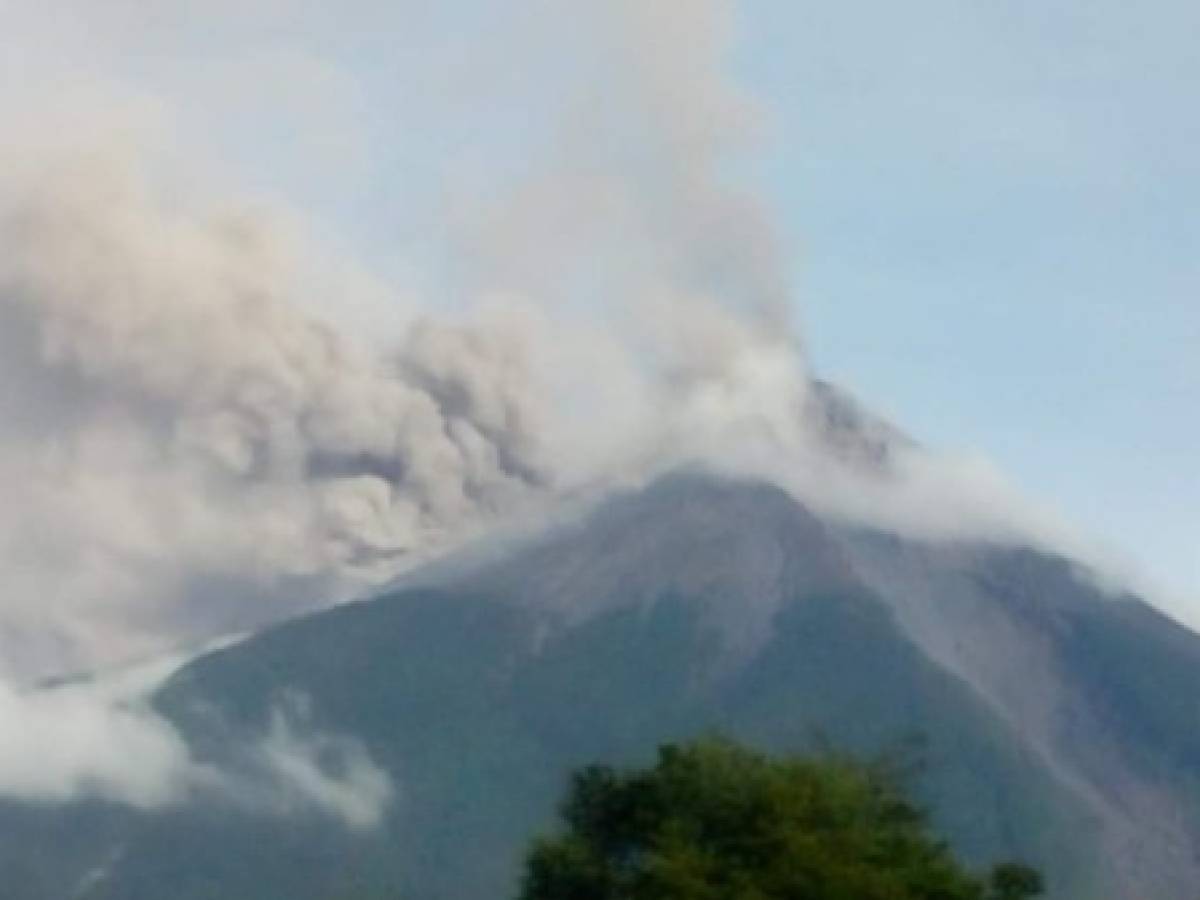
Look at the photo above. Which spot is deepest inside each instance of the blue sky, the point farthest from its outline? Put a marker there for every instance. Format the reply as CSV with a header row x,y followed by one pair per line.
x,y
992,214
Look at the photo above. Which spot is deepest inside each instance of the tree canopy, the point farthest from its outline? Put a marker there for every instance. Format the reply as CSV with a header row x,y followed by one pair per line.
x,y
714,821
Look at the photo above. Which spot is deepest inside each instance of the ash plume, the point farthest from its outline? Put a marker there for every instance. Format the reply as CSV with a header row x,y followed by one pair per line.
x,y
177,415
212,415
195,441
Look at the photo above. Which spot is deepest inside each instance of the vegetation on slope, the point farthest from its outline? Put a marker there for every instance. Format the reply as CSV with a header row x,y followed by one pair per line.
x,y
712,820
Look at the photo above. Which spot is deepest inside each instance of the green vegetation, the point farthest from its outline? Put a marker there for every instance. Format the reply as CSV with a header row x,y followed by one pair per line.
x,y
712,820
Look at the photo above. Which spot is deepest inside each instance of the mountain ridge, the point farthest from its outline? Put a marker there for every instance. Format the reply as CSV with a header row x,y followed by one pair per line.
x,y
697,603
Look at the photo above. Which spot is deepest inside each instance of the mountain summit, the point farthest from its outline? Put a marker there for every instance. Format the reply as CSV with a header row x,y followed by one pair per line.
x,y
1057,723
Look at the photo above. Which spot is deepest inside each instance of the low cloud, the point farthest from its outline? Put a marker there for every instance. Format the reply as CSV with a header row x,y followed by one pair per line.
x,y
95,739
311,770
102,739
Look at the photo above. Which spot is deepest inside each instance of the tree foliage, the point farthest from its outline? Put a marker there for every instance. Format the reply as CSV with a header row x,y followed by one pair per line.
x,y
714,821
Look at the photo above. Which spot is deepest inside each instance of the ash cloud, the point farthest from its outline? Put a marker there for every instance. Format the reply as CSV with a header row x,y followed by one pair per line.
x,y
212,414
190,413
180,416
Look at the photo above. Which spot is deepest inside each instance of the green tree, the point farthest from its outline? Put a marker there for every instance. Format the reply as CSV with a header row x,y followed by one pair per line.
x,y
714,821
1014,881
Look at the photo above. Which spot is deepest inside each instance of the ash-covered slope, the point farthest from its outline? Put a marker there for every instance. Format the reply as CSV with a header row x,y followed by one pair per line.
x,y
1058,725
1102,687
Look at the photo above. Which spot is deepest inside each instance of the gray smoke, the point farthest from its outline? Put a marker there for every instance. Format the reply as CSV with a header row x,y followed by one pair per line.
x,y
195,441
173,414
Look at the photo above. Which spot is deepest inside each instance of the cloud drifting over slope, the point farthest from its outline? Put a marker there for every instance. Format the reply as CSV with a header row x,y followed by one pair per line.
x,y
93,740
102,739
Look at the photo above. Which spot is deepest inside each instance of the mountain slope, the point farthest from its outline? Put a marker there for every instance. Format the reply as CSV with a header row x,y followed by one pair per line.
x,y
1052,719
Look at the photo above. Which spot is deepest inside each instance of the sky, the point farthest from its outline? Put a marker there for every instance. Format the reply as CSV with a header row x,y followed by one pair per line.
x,y
986,212
992,215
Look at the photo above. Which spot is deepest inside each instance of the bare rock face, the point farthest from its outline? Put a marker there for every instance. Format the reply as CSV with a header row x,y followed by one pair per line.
x,y
1093,684
739,552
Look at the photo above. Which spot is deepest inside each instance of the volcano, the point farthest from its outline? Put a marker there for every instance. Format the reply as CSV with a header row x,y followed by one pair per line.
x,y
1054,722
